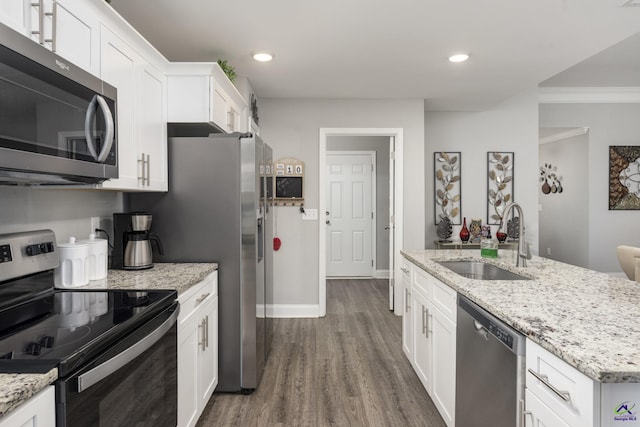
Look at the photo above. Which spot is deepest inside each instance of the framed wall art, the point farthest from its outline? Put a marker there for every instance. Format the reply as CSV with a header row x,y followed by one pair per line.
x,y
624,177
447,186
500,168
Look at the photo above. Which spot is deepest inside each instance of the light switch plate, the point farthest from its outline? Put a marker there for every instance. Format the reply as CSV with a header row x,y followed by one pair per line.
x,y
310,214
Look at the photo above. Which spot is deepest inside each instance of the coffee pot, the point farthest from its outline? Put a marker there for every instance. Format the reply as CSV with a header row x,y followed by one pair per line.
x,y
132,249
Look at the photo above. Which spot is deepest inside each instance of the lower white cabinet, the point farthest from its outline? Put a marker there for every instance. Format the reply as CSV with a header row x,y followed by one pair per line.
x,y
539,415
197,349
407,329
39,411
429,337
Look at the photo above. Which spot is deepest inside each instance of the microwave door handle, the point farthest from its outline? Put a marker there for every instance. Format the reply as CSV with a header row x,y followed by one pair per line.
x,y
88,122
107,368
109,132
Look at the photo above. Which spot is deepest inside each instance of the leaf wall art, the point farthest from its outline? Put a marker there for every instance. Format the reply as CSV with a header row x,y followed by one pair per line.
x,y
447,186
499,184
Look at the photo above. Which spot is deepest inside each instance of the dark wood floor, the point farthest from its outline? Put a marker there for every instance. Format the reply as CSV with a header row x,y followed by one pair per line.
x,y
346,369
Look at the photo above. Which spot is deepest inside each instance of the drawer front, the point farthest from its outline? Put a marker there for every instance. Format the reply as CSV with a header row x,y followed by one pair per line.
x,y
444,298
567,392
195,297
422,281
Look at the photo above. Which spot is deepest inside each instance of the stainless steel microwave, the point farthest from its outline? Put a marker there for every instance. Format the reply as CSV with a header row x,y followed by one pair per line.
x,y
57,122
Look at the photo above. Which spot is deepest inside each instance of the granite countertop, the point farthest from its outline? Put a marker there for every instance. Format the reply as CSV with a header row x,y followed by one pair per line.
x,y
17,388
589,319
178,276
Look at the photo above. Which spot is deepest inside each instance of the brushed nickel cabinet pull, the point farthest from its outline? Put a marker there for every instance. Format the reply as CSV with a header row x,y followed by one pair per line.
x,y
564,395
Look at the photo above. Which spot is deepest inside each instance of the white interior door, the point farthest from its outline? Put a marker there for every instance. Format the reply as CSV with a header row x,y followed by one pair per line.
x,y
349,215
391,226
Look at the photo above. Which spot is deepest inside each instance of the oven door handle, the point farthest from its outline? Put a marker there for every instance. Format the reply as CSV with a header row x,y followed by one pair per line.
x,y
107,368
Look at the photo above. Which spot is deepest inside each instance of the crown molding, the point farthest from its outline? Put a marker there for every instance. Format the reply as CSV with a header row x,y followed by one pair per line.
x,y
564,135
589,95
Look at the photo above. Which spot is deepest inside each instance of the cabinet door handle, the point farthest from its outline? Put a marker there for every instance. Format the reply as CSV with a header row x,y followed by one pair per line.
x,y
202,298
141,165
424,321
203,342
406,300
54,27
564,395
206,332
148,171
39,32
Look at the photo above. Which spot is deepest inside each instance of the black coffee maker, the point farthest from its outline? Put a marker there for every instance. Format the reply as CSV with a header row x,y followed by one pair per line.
x,y
132,241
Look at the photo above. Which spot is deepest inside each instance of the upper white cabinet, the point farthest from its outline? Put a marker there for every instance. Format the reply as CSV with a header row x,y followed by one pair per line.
x,y
142,140
70,28
202,93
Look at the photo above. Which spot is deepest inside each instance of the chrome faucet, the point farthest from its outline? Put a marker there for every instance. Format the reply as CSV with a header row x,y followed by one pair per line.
x,y
523,247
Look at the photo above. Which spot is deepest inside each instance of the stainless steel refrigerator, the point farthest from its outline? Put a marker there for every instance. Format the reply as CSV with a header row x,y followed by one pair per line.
x,y
219,209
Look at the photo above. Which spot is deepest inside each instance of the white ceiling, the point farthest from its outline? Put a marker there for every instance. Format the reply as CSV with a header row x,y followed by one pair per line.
x,y
389,48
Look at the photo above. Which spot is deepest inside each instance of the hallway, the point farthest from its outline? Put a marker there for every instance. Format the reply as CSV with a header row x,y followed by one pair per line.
x,y
346,369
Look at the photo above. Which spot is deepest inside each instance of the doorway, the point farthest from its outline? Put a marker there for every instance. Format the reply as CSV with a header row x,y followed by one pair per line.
x,y
392,229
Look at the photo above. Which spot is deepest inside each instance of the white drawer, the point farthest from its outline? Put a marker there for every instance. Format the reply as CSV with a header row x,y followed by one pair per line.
x,y
197,295
422,281
575,394
444,298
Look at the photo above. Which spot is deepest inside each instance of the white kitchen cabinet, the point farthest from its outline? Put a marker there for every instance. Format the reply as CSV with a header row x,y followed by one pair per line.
x,y
142,141
197,349
568,393
539,415
432,310
70,28
407,321
422,342
38,411
17,15
202,93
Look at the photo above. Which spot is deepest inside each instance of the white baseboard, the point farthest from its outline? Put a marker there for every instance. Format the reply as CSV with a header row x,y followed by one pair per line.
x,y
290,311
382,274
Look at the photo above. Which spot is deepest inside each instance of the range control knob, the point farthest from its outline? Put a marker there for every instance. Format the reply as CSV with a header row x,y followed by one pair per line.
x,y
33,348
47,341
33,250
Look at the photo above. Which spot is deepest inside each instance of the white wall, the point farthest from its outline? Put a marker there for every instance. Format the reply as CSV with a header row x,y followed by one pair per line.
x,y
609,124
379,144
291,128
510,126
66,212
564,217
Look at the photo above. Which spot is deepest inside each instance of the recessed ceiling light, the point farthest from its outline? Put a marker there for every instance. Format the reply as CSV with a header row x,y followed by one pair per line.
x,y
262,56
459,57
630,3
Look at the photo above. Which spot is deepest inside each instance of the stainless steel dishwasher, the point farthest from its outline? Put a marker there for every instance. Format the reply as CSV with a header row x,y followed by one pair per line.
x,y
490,370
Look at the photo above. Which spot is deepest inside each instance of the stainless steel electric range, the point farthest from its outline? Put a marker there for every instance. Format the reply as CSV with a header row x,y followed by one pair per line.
x,y
115,350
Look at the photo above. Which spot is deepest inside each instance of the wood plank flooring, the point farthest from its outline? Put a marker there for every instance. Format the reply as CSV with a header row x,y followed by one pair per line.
x,y
346,369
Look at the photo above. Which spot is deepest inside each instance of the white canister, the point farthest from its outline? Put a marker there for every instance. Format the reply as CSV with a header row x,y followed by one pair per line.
x,y
98,257
74,265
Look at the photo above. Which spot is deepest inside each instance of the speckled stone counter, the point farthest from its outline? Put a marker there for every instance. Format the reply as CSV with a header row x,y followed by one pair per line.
x,y
589,319
17,388
178,276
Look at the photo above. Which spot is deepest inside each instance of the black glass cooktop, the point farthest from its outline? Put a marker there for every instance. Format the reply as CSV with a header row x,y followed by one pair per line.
x,y
64,328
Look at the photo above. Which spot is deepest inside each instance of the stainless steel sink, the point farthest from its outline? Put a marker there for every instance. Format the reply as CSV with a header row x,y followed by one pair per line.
x,y
480,270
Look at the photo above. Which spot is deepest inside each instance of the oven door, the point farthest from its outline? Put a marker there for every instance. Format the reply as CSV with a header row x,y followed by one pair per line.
x,y
133,383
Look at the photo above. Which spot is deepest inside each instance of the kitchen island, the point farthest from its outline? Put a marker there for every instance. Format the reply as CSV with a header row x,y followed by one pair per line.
x,y
16,389
590,320
582,362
